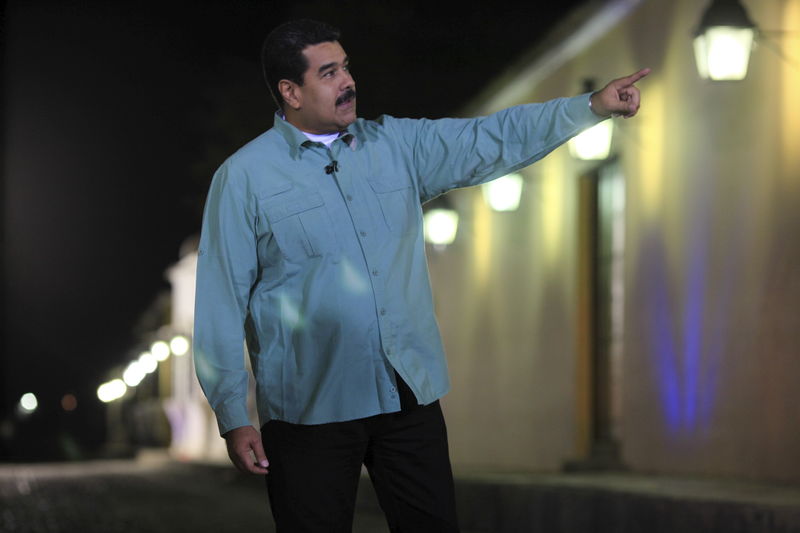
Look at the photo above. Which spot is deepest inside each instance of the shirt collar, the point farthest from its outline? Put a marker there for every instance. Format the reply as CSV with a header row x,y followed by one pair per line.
x,y
297,140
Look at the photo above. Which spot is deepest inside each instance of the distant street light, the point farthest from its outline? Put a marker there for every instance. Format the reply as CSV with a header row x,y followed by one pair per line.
x,y
111,390
134,374
179,345
148,362
160,350
28,403
69,402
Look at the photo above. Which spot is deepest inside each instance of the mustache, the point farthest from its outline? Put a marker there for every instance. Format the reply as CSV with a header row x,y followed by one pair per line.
x,y
346,96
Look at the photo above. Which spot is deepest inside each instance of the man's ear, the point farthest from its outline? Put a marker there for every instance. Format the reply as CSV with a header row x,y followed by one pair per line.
x,y
290,94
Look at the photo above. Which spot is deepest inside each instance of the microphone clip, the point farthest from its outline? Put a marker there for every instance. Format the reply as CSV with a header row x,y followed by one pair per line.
x,y
333,167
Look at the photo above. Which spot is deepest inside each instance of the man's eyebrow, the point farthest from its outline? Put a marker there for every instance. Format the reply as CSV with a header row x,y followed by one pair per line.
x,y
332,64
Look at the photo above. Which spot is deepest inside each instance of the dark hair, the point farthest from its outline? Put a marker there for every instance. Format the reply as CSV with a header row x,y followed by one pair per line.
x,y
282,52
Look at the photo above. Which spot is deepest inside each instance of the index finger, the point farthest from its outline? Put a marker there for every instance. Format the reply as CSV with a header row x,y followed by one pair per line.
x,y
633,78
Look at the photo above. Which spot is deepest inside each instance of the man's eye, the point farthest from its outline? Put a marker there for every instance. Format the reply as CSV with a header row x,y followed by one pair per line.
x,y
329,74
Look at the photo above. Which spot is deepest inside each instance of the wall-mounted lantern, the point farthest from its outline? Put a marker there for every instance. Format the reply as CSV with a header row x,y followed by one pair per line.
x,y
594,143
723,41
441,226
503,194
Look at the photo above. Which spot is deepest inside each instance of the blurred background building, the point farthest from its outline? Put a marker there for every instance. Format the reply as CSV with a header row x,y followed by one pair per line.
x,y
638,309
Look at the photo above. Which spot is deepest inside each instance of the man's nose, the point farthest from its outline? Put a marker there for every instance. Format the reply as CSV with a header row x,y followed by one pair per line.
x,y
348,81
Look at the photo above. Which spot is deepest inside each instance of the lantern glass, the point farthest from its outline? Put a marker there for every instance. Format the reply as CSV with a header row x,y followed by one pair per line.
x,y
441,226
503,194
594,143
722,53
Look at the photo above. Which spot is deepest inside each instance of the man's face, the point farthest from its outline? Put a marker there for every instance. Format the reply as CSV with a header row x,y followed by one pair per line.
x,y
326,102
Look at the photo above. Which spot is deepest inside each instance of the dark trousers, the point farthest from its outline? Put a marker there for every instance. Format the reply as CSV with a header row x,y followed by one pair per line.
x,y
314,470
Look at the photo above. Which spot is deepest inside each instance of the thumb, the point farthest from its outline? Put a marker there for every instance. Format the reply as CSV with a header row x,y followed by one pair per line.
x,y
258,451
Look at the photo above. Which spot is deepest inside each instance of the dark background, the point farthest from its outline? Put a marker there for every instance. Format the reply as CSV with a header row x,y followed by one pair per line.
x,y
116,115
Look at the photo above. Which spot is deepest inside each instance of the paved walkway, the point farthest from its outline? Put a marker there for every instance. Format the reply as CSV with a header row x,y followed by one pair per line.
x,y
623,503
138,497
156,495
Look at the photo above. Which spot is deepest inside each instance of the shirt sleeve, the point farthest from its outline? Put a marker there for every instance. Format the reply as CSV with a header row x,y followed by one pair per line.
x,y
451,153
227,265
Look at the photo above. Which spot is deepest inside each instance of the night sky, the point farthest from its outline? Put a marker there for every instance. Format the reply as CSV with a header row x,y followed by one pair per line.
x,y
116,115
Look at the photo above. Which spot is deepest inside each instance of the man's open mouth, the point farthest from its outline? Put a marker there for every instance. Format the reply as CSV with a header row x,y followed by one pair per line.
x,y
346,97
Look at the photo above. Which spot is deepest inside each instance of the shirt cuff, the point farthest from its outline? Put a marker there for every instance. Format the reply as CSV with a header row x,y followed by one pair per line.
x,y
581,110
231,415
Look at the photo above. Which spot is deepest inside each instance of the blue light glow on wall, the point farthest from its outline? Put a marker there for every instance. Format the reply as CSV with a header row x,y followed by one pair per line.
x,y
685,334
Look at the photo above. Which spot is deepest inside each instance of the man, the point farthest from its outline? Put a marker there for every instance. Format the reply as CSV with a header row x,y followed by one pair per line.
x,y
312,250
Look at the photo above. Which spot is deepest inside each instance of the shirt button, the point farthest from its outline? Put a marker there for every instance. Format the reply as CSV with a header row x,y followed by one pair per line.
x,y
363,233
349,198
393,389
388,351
375,272
383,311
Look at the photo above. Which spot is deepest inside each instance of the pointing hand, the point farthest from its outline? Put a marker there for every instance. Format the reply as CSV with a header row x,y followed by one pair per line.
x,y
619,97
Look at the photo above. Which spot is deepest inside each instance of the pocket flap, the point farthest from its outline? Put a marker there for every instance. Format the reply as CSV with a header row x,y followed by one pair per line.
x,y
382,186
283,205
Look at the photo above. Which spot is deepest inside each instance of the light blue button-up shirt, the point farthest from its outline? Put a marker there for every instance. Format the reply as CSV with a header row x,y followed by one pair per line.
x,y
324,273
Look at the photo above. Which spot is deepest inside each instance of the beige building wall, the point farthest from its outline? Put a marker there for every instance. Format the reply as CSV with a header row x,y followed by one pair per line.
x,y
711,362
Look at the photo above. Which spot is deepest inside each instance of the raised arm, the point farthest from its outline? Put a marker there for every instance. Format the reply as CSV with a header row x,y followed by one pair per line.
x,y
451,153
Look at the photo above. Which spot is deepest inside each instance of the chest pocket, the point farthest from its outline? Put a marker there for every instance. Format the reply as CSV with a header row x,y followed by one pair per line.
x,y
301,225
398,205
